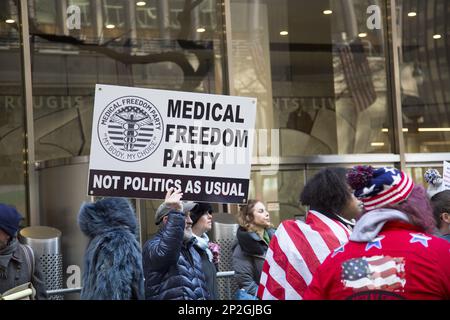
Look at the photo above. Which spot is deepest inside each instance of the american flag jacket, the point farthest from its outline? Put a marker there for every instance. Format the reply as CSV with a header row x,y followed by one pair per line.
x,y
402,262
295,252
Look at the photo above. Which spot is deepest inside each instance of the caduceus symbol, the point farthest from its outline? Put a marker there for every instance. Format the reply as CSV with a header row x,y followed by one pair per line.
x,y
131,122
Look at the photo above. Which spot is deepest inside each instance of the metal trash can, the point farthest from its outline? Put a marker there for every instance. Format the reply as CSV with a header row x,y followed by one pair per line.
x,y
46,244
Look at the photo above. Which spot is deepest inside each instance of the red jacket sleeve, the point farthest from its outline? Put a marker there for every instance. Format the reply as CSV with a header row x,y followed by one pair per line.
x,y
315,290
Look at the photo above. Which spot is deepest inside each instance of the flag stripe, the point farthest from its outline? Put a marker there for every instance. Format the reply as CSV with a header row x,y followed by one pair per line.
x,y
335,235
295,252
320,247
336,227
386,193
274,286
297,274
404,185
372,283
274,277
303,245
399,194
386,273
385,267
324,230
380,261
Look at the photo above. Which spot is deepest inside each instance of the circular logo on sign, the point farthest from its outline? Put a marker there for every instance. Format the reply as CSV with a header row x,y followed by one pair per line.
x,y
130,128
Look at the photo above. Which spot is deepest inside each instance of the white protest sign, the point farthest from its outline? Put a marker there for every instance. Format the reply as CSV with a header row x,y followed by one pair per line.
x,y
446,175
146,141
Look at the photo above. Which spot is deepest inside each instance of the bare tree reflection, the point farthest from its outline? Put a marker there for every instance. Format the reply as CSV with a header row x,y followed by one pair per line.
x,y
192,77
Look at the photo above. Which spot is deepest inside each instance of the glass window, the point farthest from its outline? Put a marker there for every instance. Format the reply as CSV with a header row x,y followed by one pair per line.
x,y
318,69
109,48
424,32
44,14
147,15
160,45
279,190
12,110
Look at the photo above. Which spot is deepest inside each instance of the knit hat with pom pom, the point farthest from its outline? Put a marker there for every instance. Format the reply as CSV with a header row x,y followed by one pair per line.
x,y
435,182
380,187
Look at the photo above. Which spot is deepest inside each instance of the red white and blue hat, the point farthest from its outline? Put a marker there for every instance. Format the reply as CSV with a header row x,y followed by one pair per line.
x,y
377,188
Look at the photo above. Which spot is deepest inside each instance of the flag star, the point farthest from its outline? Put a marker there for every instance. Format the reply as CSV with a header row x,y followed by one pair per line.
x,y
375,243
391,170
421,238
396,178
337,250
368,190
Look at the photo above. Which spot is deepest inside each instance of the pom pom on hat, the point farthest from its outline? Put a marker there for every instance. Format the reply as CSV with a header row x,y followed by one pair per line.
x,y
432,176
359,177
434,180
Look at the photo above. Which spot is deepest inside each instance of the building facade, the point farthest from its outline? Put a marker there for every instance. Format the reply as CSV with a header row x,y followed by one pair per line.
x,y
338,82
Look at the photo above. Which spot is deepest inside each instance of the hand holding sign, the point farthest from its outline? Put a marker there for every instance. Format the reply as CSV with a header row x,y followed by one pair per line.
x,y
173,199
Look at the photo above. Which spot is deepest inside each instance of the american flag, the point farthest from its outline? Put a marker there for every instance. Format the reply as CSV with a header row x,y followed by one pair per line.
x,y
295,252
374,273
357,74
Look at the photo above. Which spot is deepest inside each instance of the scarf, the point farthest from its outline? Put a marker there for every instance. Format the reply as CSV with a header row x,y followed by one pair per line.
x,y
202,243
6,255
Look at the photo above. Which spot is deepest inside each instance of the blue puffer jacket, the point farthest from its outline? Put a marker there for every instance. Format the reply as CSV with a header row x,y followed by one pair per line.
x,y
172,269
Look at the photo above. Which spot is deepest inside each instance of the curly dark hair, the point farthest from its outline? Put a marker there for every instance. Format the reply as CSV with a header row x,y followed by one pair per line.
x,y
440,203
327,191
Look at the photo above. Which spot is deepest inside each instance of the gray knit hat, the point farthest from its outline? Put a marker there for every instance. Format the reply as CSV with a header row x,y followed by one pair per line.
x,y
164,210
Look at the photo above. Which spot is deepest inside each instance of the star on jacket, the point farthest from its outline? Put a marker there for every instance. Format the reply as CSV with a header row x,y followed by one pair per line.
x,y
375,243
417,237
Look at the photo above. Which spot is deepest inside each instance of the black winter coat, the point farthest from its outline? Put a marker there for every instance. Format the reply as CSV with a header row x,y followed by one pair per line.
x,y
173,268
249,251
210,271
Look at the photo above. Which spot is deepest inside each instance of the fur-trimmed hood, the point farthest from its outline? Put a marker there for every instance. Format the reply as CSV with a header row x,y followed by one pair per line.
x,y
106,214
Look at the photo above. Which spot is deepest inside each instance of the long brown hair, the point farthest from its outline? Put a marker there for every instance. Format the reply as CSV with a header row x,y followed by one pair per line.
x,y
418,208
246,217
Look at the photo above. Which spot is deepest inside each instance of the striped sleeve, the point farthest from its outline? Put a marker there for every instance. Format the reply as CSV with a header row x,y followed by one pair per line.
x,y
296,251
